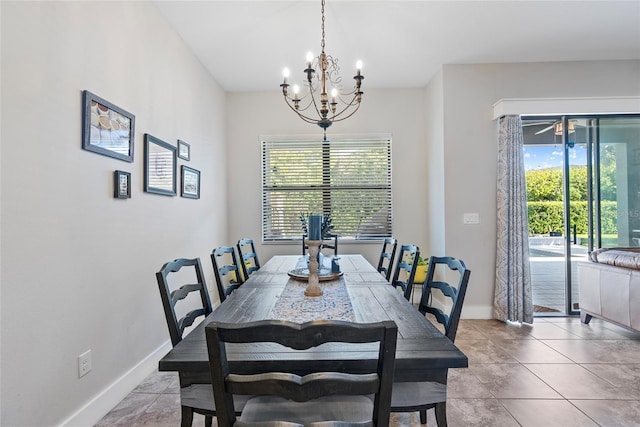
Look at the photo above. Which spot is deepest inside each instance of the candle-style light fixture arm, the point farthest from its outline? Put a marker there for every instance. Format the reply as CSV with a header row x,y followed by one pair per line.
x,y
323,90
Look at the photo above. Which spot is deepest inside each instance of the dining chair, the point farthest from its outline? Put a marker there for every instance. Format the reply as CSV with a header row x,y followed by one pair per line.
x,y
387,255
227,273
405,270
330,242
248,257
420,396
194,397
332,395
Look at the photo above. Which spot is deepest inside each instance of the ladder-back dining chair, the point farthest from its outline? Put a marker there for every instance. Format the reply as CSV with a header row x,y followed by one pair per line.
x,y
387,256
194,397
329,242
330,396
405,270
248,257
420,396
227,273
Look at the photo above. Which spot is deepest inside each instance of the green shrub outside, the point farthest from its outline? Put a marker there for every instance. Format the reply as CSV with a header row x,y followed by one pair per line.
x,y
544,195
547,216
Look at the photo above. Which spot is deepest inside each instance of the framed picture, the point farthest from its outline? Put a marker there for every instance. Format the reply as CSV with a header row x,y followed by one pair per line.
x,y
184,150
107,129
159,166
121,185
190,183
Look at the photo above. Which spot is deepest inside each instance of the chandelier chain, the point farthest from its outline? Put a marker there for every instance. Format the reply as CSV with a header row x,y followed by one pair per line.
x,y
322,44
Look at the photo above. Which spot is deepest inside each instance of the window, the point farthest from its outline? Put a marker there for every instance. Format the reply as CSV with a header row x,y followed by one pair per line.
x,y
351,180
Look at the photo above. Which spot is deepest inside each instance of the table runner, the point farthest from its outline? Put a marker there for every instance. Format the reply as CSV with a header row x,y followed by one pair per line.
x,y
293,305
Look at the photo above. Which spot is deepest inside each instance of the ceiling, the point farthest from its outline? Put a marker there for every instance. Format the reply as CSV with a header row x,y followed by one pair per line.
x,y
246,44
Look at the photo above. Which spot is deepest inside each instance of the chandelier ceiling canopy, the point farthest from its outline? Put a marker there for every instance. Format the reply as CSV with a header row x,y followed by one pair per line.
x,y
323,100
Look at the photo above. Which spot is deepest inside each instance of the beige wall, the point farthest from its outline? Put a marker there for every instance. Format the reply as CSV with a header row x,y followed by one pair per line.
x,y
77,265
470,147
399,112
444,153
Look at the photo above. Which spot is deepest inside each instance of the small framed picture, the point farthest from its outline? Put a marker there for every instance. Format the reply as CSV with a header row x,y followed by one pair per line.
x,y
190,183
107,129
159,166
184,150
121,185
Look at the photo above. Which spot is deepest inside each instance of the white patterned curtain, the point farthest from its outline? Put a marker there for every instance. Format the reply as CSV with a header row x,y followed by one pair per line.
x,y
512,299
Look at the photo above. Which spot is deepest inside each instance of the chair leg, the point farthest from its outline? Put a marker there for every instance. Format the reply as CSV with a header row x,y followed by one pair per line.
x,y
441,414
187,416
208,421
423,416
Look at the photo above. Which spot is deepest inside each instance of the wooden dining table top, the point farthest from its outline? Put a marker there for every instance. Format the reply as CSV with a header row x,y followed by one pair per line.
x,y
423,352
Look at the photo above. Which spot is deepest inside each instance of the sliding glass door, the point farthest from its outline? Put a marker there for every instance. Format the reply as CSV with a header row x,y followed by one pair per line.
x,y
583,189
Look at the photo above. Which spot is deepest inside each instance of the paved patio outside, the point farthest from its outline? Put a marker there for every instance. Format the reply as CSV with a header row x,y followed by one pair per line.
x,y
546,258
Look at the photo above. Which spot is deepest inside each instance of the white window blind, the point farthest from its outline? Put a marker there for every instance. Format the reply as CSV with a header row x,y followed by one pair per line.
x,y
351,180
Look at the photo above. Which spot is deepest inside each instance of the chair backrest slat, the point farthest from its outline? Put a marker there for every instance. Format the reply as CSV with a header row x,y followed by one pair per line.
x,y
387,256
248,257
172,298
326,243
455,293
226,271
406,266
303,389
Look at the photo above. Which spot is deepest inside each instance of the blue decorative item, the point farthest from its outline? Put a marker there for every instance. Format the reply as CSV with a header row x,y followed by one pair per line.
x,y
315,227
335,267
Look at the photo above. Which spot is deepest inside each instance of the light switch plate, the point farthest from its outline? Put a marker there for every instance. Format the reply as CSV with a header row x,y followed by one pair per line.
x,y
471,218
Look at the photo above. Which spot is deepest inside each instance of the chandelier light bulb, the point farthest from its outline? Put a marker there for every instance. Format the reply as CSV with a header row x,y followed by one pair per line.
x,y
309,57
359,65
286,73
296,89
334,93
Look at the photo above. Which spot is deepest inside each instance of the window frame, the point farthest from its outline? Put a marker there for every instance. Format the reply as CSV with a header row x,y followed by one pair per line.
x,y
269,145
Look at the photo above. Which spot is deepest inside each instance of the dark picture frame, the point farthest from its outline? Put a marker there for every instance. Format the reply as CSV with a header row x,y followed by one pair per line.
x,y
190,183
160,159
184,150
107,129
121,185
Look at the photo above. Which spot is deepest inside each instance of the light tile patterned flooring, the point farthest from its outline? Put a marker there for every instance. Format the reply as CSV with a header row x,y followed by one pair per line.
x,y
557,372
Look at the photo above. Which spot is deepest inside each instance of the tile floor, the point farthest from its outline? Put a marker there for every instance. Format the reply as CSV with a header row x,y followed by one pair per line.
x,y
557,372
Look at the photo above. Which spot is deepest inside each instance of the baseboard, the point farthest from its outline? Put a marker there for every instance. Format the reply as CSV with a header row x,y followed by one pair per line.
x,y
468,311
107,399
477,312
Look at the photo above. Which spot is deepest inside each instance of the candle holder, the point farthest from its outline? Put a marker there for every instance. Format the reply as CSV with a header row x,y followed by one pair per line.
x,y
313,289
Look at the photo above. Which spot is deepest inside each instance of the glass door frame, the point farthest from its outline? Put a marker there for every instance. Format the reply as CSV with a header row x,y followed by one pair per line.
x,y
594,225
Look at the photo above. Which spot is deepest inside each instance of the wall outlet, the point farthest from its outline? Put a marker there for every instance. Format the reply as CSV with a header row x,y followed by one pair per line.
x,y
471,218
84,363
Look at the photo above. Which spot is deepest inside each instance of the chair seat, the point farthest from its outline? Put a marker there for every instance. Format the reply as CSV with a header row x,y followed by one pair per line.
x,y
200,397
350,409
415,394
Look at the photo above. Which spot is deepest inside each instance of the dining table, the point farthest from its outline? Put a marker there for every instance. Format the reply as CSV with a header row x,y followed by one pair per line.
x,y
358,293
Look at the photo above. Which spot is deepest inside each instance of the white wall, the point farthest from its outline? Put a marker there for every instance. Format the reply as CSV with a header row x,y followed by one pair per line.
x,y
470,147
400,112
78,265
435,165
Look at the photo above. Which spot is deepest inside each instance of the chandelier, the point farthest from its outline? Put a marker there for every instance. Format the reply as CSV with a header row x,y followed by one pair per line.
x,y
323,100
